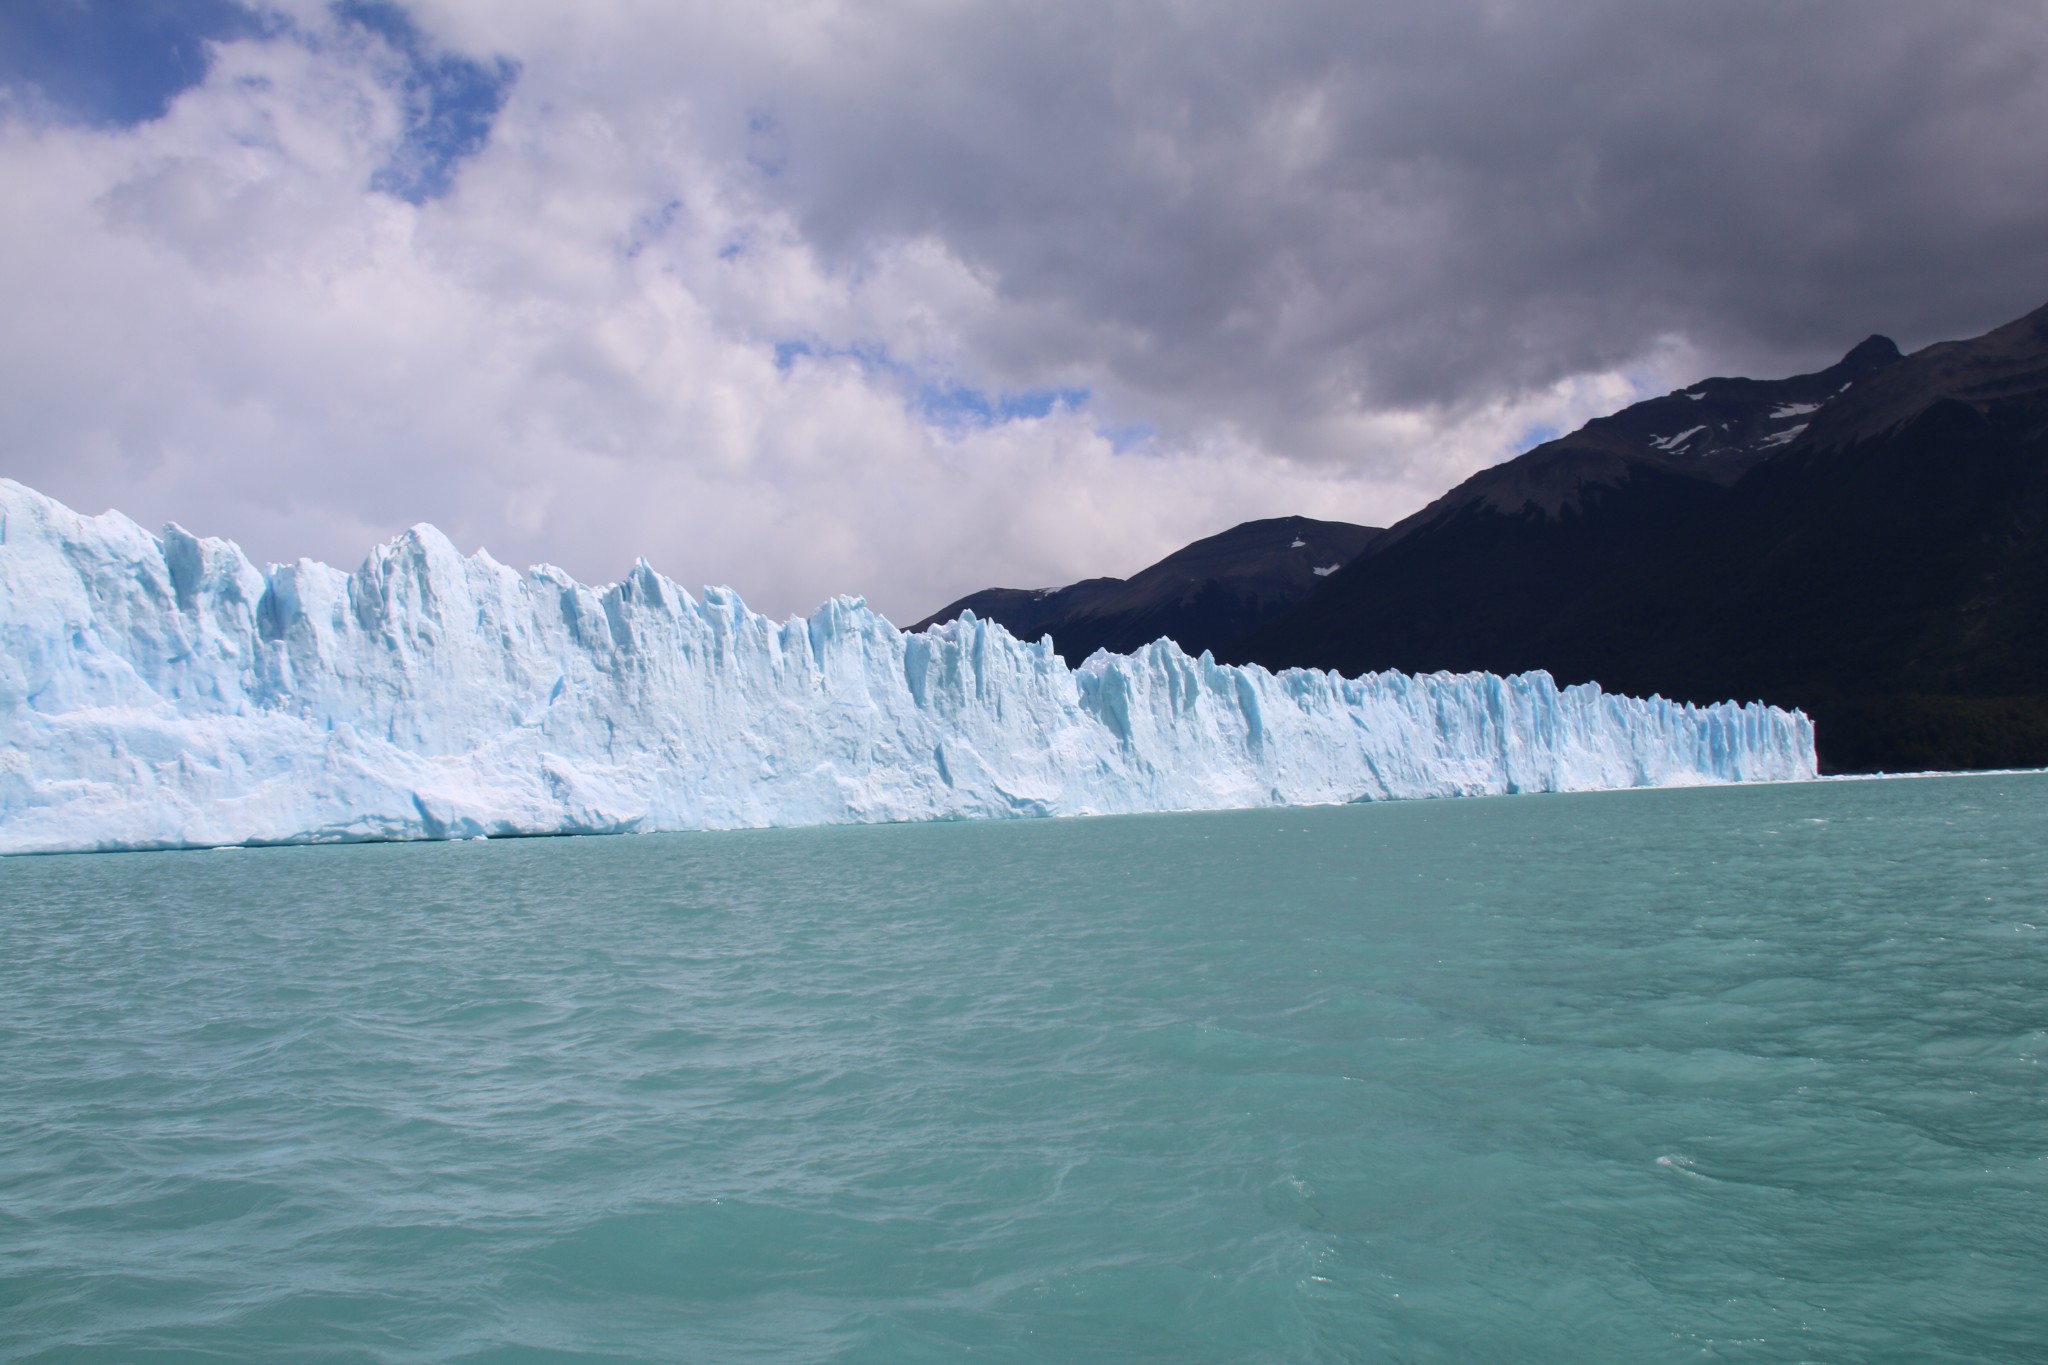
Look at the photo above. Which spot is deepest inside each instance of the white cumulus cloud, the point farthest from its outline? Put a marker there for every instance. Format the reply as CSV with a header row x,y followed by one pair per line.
x,y
744,290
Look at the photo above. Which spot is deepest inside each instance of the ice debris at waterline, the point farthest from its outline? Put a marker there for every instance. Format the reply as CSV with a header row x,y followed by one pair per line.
x,y
161,692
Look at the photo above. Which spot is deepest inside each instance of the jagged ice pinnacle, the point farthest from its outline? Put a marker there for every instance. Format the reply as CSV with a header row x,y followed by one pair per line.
x,y
162,692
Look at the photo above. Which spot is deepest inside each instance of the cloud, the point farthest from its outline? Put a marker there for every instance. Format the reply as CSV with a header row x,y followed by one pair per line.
x,y
909,299
1259,212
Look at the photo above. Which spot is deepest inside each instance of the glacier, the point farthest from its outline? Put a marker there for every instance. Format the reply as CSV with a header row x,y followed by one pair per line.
x,y
161,691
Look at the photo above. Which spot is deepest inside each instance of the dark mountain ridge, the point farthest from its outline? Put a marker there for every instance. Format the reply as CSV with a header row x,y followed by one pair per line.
x,y
1202,596
1865,542
1713,432
1868,542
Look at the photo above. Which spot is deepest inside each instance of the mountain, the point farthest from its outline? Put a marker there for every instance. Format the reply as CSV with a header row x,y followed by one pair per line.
x,y
1866,542
1711,433
1202,596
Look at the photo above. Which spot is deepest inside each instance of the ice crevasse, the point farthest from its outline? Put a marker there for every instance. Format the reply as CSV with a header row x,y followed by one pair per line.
x,y
160,691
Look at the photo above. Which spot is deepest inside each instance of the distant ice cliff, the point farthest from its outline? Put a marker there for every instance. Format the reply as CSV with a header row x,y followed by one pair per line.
x,y
162,692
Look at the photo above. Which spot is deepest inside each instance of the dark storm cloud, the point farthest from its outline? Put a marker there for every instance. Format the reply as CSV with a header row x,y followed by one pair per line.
x,y
1263,210
910,297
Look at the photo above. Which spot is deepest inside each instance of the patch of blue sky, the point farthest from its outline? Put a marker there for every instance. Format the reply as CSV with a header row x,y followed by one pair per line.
x,y
957,405
651,227
1532,437
944,403
1124,440
120,63
868,355
115,63
451,100
766,151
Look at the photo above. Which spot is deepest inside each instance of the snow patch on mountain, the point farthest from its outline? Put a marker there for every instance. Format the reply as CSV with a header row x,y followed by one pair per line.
x,y
1785,410
1674,442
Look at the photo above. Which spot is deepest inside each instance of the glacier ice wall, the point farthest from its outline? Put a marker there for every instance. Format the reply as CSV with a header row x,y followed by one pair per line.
x,y
161,691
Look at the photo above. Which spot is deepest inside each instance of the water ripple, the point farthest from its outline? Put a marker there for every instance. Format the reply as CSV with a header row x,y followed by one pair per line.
x,y
1727,1074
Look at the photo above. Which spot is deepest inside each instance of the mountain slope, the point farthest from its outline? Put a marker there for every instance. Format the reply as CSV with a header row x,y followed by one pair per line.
x,y
1202,596
1866,542
1713,433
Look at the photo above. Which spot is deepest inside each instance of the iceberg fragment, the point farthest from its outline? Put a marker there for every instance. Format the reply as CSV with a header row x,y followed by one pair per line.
x,y
160,691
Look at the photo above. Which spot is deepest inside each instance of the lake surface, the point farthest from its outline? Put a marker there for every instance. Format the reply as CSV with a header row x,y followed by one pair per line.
x,y
1730,1074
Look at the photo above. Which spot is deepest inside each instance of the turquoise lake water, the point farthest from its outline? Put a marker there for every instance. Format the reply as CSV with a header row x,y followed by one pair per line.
x,y
1732,1074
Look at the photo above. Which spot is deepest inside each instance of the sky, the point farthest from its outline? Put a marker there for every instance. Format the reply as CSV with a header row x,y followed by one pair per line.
x,y
908,298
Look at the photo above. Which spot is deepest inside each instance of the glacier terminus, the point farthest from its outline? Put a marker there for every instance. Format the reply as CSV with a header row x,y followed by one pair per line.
x,y
161,691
